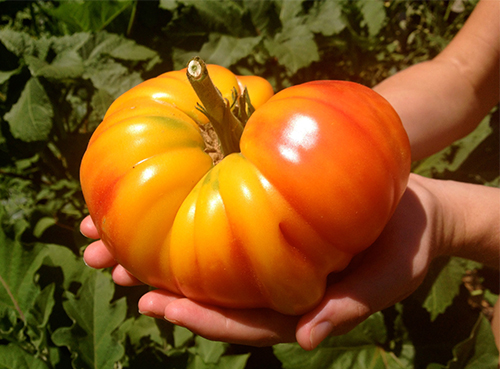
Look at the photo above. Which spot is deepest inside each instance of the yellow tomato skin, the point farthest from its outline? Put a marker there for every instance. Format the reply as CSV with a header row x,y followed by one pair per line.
x,y
321,170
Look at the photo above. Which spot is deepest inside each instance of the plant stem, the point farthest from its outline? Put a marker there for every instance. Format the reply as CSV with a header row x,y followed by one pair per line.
x,y
217,109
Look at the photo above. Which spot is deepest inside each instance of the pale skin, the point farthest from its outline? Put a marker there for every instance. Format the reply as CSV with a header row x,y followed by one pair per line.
x,y
439,101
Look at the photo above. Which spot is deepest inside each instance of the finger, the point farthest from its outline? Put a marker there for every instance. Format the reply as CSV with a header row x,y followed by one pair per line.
x,y
154,302
389,271
88,228
255,327
97,256
122,277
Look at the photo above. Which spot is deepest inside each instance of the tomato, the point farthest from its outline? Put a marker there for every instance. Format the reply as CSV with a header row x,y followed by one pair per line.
x,y
321,170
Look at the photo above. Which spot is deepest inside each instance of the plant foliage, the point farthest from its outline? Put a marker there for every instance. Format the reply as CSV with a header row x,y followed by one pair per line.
x,y
63,63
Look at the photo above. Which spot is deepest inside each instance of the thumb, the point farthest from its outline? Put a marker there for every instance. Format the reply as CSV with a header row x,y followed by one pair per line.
x,y
389,271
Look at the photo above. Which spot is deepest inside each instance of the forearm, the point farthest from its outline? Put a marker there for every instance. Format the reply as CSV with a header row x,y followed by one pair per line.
x,y
444,99
433,120
466,219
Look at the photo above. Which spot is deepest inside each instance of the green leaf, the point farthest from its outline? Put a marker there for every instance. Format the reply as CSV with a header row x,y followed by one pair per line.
x,y
30,119
181,336
16,42
14,357
452,157
67,64
129,50
91,338
227,50
225,362
168,4
294,47
42,225
477,351
219,15
260,14
373,12
18,265
141,327
112,77
442,284
5,75
73,267
38,316
361,348
89,15
326,18
209,351
69,42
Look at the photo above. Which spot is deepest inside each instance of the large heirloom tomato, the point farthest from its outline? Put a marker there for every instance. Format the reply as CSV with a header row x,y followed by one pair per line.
x,y
321,170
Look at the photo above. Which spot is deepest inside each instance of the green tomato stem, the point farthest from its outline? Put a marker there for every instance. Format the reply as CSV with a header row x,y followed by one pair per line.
x,y
217,109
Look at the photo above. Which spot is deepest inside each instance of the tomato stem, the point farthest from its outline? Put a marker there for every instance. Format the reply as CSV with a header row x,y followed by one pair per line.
x,y
217,109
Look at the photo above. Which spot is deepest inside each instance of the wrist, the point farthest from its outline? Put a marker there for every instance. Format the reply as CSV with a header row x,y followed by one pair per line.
x,y
464,218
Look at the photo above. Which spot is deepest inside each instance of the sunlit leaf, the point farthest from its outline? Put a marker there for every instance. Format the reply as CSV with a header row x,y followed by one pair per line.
x,y
453,156
442,284
89,15
373,14
326,18
227,50
294,47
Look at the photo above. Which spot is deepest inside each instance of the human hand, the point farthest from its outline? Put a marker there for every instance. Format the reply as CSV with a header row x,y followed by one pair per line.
x,y
390,270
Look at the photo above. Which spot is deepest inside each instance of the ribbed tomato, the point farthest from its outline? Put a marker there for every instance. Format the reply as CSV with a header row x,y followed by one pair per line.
x,y
321,170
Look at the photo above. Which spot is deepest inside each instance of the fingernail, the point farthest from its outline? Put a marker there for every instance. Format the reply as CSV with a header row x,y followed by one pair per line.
x,y
150,314
319,332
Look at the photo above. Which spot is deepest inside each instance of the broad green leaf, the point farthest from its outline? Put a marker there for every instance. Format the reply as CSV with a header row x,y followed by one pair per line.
x,y
477,351
18,265
290,11
225,362
326,18
220,15
442,284
141,327
294,47
14,357
42,225
5,75
101,101
260,14
16,42
73,267
89,15
69,42
91,338
359,349
209,351
67,64
374,15
104,44
168,4
111,77
30,119
129,50
227,50
453,156
38,316
181,336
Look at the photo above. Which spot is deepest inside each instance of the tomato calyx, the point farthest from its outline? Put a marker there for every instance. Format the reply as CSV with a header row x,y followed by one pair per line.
x,y
228,119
